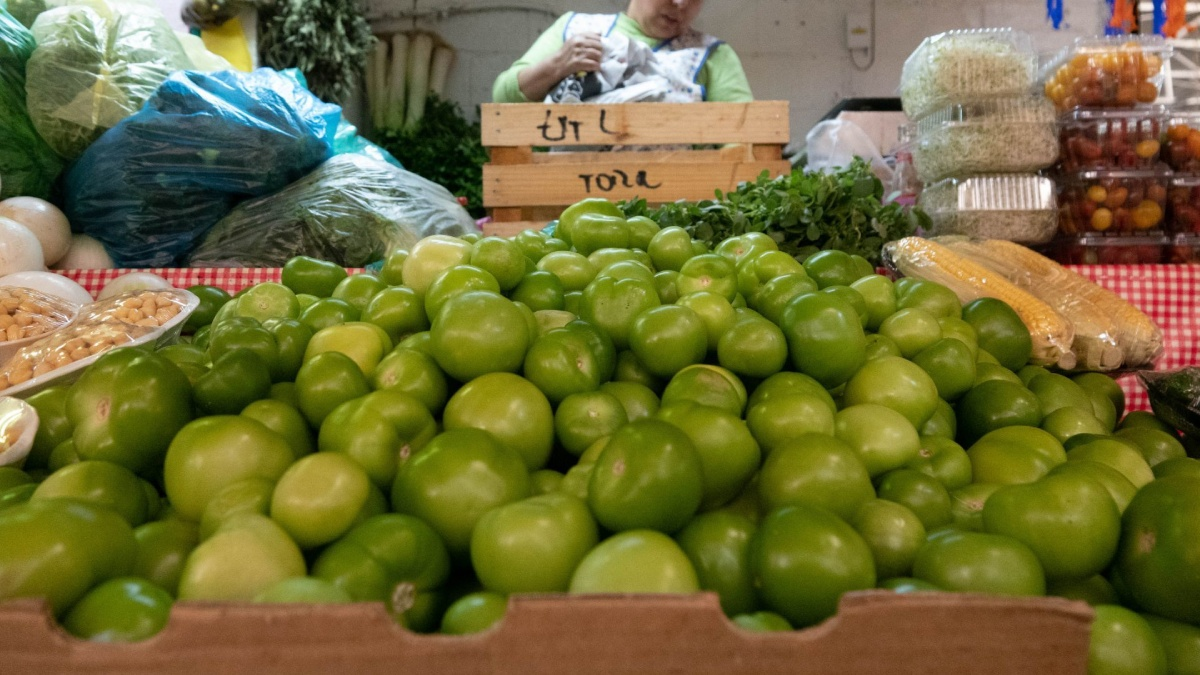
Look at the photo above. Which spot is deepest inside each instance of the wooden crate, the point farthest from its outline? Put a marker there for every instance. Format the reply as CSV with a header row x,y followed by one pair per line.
x,y
523,188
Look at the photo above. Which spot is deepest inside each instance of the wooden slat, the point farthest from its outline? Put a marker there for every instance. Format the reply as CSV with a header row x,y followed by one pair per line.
x,y
508,214
508,229
559,184
766,153
732,153
507,155
538,124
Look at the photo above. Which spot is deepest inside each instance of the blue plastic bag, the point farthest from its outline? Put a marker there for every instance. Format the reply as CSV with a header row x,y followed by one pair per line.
x,y
151,187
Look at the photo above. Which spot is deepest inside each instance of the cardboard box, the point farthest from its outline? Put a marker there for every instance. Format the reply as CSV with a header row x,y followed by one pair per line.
x,y
874,632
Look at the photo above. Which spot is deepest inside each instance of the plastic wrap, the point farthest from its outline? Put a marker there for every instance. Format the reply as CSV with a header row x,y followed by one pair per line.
x,y
18,426
1113,202
353,210
1111,139
68,349
95,65
1018,208
28,167
1181,143
963,65
26,315
149,308
1002,135
1100,249
151,187
1107,72
1095,314
1175,397
1184,249
1051,333
1183,211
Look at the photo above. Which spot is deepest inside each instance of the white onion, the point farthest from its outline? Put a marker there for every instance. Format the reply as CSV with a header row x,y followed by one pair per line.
x,y
49,283
44,220
20,250
134,281
85,254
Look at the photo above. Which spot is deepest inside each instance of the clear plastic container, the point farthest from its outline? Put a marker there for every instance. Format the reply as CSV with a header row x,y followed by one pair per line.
x,y
963,65
1018,208
27,315
1113,202
1181,141
1184,250
1183,205
1107,72
1096,249
1111,139
1002,135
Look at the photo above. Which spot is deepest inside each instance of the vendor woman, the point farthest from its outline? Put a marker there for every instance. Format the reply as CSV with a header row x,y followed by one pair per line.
x,y
697,67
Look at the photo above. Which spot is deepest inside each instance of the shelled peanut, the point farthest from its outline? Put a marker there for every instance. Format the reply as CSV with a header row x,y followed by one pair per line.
x,y
25,313
139,308
65,347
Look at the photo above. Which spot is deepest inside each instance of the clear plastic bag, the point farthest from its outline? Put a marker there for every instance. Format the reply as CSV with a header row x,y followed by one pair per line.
x,y
28,167
153,186
95,65
352,210
833,144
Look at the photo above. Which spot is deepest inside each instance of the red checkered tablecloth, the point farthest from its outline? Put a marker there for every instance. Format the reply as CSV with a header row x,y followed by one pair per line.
x,y
1168,294
232,279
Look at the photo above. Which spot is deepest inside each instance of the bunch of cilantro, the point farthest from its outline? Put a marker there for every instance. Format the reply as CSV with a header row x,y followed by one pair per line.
x,y
803,212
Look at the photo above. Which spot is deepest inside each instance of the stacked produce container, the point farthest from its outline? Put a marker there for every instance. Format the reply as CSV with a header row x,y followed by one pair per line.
x,y
982,135
1120,200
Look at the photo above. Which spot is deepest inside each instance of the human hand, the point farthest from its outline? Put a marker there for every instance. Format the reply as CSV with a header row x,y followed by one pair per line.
x,y
581,53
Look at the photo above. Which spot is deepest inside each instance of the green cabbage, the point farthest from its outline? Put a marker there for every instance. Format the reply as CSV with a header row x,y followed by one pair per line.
x,y
27,165
95,65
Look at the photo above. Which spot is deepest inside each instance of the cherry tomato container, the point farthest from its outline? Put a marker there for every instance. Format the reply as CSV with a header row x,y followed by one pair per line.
x,y
1095,249
1113,202
1015,207
1183,200
1099,138
1181,141
1184,250
1107,72
967,65
1001,135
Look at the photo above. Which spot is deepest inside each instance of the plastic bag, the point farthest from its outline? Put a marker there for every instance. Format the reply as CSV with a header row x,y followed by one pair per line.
x,y
94,66
347,141
27,165
833,144
352,210
25,11
151,187
1175,397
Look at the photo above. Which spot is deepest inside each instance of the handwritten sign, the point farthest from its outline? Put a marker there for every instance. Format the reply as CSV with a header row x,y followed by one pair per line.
x,y
555,128
608,181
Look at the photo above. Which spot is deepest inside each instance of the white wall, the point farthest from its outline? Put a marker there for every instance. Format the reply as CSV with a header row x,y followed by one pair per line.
x,y
791,49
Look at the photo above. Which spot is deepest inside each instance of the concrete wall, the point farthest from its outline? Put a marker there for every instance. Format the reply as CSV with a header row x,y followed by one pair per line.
x,y
791,49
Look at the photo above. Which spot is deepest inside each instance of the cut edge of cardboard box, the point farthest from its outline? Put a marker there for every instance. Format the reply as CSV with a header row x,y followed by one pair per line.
x,y
873,632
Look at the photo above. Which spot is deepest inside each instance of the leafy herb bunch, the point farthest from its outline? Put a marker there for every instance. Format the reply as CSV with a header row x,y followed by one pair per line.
x,y
328,40
445,148
803,212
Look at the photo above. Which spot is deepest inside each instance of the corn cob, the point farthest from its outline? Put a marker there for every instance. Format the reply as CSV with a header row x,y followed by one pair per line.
x,y
1139,339
1096,328
924,259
